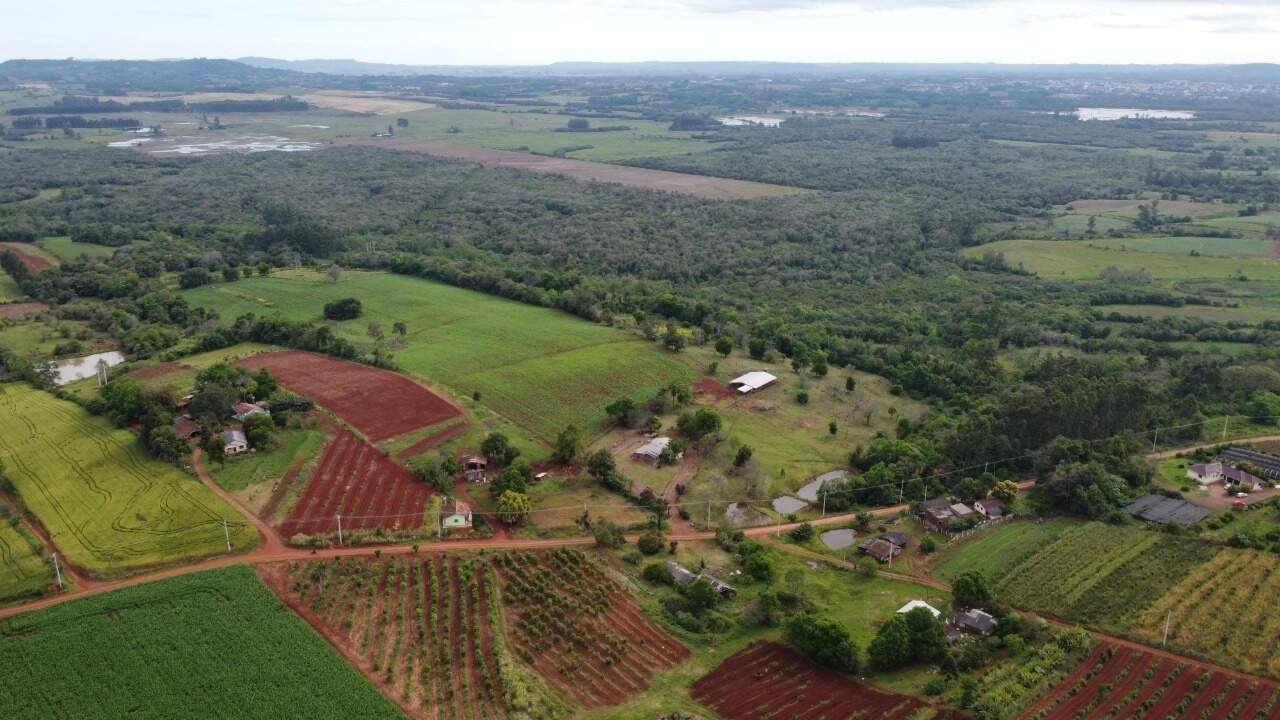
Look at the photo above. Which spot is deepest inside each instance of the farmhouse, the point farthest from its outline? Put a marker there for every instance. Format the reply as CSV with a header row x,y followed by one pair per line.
x,y
752,381
652,450
455,515
975,621
242,411
1161,509
186,428
880,549
961,510
935,514
234,442
474,467
917,604
989,508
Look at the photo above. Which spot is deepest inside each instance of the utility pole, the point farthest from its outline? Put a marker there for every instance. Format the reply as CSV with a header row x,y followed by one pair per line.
x,y
824,504
57,570
1154,439
1225,421
339,528
226,532
708,513
1167,618
902,489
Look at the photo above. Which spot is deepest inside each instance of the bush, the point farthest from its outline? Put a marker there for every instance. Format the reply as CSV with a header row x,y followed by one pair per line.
x,y
651,543
344,309
824,641
802,533
928,545
609,535
658,573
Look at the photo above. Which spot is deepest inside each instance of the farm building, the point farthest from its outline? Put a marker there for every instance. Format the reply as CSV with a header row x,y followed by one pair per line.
x,y
681,574
1268,465
242,411
918,604
975,621
234,442
474,467
961,510
935,514
1161,509
880,549
186,428
723,588
652,450
455,515
1210,473
897,538
989,508
752,381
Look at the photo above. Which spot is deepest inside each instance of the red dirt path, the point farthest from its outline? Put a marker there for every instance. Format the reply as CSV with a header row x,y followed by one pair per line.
x,y
379,403
34,262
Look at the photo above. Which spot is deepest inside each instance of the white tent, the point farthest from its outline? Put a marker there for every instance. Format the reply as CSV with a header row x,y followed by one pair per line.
x,y
916,604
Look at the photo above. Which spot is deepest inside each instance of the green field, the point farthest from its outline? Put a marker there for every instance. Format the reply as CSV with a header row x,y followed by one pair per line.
x,y
1173,245
1077,224
64,249
995,550
9,289
24,568
240,472
1079,260
540,368
108,507
1250,223
1250,313
215,644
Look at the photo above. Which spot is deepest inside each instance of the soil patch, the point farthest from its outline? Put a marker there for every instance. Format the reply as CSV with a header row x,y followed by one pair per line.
x,y
33,260
17,311
379,403
432,441
705,186
712,390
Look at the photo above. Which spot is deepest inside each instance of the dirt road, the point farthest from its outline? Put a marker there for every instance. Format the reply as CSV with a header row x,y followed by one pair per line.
x,y
1165,454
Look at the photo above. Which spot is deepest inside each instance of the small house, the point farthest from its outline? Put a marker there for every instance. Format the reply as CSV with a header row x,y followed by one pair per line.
x,y
918,604
989,508
455,515
936,520
1205,473
1236,476
752,381
234,442
652,450
897,538
186,428
474,468
242,411
961,510
681,574
880,549
975,621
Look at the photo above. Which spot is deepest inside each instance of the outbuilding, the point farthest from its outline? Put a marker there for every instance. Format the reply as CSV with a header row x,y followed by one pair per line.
x,y
975,621
474,467
455,515
752,381
186,428
919,604
652,450
234,442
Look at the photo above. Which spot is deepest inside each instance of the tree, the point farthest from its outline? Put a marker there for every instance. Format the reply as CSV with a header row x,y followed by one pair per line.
x,y
802,397
258,430
802,532
891,647
600,464
568,445
759,567
825,641
818,363
165,444
498,449
513,507
658,573
230,273
194,277
402,122
344,309
832,428
622,411
651,542
849,384
757,348
263,269
743,456
1006,491
264,386
971,590
578,124
703,421
399,328
673,340
928,642
511,479
608,535
724,346
700,595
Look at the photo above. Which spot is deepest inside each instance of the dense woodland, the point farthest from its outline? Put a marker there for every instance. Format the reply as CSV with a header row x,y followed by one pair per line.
x,y
864,273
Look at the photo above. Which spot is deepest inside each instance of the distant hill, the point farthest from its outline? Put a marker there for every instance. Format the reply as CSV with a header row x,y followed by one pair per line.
x,y
108,76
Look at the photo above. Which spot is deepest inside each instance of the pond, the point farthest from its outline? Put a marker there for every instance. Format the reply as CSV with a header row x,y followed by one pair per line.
x,y
838,539
810,492
68,371
787,504
1133,113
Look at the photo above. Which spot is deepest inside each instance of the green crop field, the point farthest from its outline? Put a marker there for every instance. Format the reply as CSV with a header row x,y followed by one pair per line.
x,y
540,368
24,568
1078,260
1249,223
1250,313
107,506
215,644
997,550
1172,245
64,249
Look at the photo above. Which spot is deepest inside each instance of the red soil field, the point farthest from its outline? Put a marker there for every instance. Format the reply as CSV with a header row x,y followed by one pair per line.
x,y
357,480
713,390
17,311
34,262
579,630
1120,682
379,403
772,680
419,630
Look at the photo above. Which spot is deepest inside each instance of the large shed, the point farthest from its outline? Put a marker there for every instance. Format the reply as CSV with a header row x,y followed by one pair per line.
x,y
752,381
1161,509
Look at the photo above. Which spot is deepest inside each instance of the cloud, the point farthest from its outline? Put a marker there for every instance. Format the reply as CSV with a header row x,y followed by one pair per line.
x,y
765,6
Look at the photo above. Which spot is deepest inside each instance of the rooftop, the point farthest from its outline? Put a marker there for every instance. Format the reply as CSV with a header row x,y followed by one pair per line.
x,y
753,380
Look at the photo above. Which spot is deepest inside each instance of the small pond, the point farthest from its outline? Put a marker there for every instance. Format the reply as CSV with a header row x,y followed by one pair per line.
x,y
838,539
787,504
68,371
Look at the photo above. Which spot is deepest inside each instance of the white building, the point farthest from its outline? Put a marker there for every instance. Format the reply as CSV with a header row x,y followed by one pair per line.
x,y
752,381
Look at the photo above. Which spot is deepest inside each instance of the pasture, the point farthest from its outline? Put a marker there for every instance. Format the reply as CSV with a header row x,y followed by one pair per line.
x,y
540,368
108,507
64,249
1254,312
1174,245
210,643
1080,260
25,569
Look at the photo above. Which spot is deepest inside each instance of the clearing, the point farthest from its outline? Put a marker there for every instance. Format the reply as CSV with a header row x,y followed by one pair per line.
x,y
178,648
1081,260
104,503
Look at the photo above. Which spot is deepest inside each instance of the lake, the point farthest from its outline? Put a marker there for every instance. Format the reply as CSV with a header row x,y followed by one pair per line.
x,y
68,371
1133,113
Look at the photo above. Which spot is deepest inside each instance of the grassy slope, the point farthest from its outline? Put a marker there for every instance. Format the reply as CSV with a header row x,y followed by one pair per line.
x,y
24,569
107,506
62,248
540,368
1077,260
211,644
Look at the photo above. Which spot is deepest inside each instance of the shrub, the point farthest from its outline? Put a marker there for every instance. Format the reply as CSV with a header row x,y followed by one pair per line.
x,y
802,533
825,641
609,535
651,543
658,573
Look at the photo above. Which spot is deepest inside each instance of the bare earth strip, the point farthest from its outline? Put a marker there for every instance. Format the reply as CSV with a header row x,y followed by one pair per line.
x,y
704,186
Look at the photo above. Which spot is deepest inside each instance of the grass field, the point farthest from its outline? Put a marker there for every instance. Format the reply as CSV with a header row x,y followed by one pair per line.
x,y
1251,313
540,368
38,339
24,569
996,550
108,507
1250,223
1172,245
62,248
240,472
1078,260
1078,224
215,644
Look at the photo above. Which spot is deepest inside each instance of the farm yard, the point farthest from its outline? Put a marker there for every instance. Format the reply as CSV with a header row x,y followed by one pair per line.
x,y
539,368
356,480
772,680
108,507
1121,682
178,648
378,403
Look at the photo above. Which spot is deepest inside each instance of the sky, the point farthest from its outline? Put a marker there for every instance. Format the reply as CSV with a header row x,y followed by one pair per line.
x,y
488,32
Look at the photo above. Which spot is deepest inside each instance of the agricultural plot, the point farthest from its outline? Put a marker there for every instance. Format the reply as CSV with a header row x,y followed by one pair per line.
x,y
31,256
996,550
25,571
357,481
772,680
9,292
106,505
425,632
64,248
1122,682
581,632
539,368
1173,245
1079,260
18,311
379,403
214,643
1223,610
